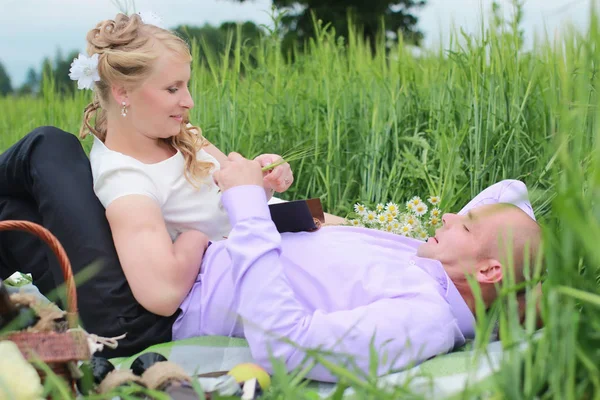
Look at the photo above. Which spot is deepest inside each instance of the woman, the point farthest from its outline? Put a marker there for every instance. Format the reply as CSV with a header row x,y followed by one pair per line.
x,y
152,170
152,178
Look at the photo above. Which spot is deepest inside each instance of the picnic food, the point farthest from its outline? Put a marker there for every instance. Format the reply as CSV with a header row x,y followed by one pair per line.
x,y
246,371
12,316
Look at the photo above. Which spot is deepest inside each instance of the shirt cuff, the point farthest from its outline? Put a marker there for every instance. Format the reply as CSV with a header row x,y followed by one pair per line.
x,y
245,202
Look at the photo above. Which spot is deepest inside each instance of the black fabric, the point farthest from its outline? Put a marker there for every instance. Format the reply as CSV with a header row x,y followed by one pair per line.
x,y
16,247
46,178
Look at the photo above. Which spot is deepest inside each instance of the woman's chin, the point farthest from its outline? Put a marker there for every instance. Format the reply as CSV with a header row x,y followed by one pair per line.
x,y
169,133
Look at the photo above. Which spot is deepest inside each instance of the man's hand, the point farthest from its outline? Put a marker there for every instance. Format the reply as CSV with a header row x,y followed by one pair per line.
x,y
279,178
238,171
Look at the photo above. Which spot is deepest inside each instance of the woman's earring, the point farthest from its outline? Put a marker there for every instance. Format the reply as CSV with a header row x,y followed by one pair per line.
x,y
124,109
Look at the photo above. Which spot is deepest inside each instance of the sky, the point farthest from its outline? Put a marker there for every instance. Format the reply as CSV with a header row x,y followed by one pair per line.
x,y
31,30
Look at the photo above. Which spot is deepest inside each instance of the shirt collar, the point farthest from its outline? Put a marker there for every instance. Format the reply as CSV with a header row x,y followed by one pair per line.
x,y
460,309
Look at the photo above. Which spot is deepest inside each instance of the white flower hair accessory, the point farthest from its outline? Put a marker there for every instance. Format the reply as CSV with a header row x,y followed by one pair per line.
x,y
151,18
84,70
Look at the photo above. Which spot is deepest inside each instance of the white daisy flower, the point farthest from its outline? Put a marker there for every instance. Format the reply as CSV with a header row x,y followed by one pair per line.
x,y
410,206
420,209
379,207
434,221
382,219
435,212
403,217
391,207
355,222
417,224
421,234
410,219
405,229
371,217
435,200
393,213
416,201
389,216
389,227
396,226
360,209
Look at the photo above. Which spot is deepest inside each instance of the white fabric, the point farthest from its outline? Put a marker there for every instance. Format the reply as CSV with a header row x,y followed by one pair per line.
x,y
183,206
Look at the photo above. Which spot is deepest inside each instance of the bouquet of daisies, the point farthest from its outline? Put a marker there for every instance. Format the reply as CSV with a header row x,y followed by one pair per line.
x,y
417,220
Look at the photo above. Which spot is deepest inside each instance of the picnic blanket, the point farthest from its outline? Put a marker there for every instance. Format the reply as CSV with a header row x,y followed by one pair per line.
x,y
440,377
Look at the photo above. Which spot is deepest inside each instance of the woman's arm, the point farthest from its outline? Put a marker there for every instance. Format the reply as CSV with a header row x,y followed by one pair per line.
x,y
159,272
216,153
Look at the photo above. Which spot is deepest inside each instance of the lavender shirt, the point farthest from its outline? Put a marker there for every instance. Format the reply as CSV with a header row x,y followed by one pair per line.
x,y
336,289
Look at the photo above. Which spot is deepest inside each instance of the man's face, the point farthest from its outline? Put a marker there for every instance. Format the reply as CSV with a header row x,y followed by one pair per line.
x,y
465,242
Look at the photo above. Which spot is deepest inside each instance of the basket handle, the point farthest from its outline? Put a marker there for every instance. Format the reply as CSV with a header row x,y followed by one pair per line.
x,y
60,253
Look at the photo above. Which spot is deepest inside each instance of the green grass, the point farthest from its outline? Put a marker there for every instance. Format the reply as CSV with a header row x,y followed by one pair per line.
x,y
445,122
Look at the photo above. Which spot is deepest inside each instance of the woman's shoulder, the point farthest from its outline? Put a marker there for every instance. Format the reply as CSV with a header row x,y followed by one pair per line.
x,y
116,175
104,159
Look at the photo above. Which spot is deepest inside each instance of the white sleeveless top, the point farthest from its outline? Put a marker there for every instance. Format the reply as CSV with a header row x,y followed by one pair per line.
x,y
183,206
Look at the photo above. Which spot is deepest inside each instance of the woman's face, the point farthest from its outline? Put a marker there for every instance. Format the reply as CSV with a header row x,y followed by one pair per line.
x,y
160,105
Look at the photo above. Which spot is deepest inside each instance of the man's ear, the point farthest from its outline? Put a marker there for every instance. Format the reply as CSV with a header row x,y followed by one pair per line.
x,y
489,271
119,94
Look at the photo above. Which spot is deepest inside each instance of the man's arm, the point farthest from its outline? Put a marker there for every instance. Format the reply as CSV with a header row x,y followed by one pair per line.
x,y
507,191
403,330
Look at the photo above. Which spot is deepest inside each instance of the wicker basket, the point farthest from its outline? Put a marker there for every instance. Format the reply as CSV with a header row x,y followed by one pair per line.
x,y
53,348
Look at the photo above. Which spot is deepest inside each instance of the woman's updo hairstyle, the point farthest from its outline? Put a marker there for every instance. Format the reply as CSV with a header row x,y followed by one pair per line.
x,y
127,51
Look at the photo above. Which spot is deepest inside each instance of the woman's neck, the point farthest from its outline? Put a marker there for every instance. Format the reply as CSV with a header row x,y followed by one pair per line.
x,y
123,138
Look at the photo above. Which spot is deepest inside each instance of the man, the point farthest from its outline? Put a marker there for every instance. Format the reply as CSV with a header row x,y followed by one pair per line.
x,y
341,289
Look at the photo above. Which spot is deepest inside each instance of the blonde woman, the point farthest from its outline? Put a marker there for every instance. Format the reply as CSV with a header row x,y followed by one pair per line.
x,y
152,170
153,207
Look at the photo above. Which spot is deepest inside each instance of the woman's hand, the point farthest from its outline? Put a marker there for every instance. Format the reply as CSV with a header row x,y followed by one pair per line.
x,y
278,179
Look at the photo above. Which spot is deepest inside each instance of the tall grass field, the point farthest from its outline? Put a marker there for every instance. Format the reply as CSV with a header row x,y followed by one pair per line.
x,y
387,125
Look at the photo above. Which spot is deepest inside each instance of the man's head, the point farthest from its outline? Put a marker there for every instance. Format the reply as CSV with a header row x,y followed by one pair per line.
x,y
484,243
